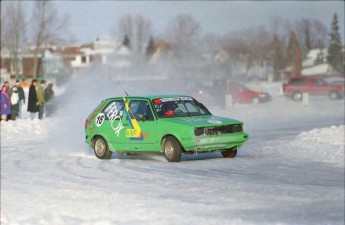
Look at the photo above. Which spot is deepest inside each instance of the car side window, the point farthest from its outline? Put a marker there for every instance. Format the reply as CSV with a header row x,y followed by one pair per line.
x,y
141,110
114,110
318,82
299,82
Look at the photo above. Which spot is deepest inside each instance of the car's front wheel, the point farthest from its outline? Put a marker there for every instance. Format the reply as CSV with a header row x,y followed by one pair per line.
x,y
229,153
172,149
101,148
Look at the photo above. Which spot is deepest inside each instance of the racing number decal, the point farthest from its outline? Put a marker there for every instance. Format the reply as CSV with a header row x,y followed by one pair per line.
x,y
100,119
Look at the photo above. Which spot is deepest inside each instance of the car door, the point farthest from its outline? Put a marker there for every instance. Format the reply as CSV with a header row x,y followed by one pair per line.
x,y
236,90
110,123
319,87
140,125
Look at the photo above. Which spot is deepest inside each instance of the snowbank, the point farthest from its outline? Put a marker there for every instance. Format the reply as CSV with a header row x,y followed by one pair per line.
x,y
318,145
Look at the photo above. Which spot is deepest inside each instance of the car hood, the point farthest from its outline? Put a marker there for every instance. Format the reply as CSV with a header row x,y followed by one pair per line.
x,y
203,121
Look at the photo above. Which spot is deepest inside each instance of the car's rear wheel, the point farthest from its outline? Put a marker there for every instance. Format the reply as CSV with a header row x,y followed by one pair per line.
x,y
229,153
172,149
101,148
297,96
333,95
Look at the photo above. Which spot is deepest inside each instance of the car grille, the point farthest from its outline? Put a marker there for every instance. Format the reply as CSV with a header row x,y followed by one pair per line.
x,y
233,128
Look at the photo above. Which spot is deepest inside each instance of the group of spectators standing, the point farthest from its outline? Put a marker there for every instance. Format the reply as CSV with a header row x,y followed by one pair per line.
x,y
13,98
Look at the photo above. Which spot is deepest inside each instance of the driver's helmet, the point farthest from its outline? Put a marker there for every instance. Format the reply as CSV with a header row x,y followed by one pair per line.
x,y
169,109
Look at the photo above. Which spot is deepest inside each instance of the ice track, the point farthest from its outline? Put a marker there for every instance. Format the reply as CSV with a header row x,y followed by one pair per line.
x,y
260,186
49,176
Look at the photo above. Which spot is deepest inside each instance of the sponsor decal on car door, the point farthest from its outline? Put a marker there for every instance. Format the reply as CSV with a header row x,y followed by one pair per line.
x,y
141,123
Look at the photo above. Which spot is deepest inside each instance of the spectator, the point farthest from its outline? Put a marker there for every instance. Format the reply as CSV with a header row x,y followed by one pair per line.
x,y
8,88
32,100
14,100
48,95
21,98
5,103
41,100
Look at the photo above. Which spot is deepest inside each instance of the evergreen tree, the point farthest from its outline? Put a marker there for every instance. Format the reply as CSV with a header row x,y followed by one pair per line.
x,y
335,54
126,42
150,50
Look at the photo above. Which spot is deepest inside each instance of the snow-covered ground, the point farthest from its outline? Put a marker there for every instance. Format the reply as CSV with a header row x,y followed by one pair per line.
x,y
291,171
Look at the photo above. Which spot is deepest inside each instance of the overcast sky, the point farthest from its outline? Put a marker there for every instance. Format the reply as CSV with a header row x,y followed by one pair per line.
x,y
91,19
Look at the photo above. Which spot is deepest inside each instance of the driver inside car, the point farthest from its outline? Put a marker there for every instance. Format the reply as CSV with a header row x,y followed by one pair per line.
x,y
169,110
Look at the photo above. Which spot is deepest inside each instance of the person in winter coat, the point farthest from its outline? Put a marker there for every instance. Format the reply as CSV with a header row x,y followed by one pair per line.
x,y
8,88
32,99
48,95
41,99
21,97
14,100
5,103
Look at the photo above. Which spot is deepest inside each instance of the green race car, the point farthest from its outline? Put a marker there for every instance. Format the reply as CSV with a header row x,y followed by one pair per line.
x,y
170,124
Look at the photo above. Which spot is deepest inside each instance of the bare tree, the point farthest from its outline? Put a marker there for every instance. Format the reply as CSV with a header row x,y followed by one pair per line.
x,y
184,31
211,43
13,32
248,48
310,33
3,21
47,27
142,32
125,27
276,55
239,51
137,29
294,54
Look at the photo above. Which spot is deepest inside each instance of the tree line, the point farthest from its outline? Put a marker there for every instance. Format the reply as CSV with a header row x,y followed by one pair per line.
x,y
19,31
277,44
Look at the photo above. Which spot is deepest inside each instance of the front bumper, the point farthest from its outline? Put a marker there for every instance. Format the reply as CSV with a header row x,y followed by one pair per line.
x,y
208,143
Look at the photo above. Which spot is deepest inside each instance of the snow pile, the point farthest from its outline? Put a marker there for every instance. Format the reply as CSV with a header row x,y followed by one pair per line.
x,y
25,130
320,145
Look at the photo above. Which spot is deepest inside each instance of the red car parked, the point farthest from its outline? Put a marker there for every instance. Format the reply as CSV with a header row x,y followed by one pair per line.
x,y
314,85
242,94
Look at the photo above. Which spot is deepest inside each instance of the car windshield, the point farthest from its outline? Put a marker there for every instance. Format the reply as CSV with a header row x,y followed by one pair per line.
x,y
179,107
